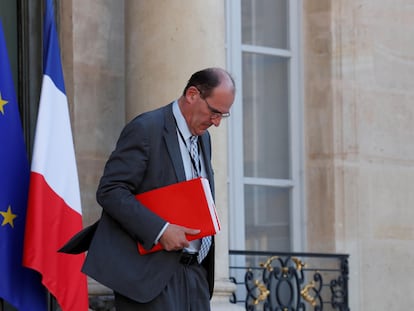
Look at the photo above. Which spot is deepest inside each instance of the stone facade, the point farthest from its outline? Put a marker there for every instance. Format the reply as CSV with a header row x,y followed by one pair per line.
x,y
359,113
124,57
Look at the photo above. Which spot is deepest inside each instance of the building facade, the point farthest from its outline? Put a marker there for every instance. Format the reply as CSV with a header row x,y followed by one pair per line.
x,y
317,155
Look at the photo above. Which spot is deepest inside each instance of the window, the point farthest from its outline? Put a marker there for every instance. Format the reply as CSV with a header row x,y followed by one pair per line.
x,y
266,209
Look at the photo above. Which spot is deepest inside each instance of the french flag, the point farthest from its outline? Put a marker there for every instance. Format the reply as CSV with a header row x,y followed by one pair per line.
x,y
54,211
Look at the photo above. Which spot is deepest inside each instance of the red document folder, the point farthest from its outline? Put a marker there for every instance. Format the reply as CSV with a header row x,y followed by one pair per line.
x,y
189,204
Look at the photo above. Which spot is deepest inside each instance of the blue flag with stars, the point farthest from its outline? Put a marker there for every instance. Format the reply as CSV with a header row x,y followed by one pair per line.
x,y
19,286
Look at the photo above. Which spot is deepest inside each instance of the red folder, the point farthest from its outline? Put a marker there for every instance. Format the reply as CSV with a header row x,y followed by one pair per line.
x,y
189,204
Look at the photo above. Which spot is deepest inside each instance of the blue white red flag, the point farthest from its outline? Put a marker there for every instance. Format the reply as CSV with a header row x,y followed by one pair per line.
x,y
54,211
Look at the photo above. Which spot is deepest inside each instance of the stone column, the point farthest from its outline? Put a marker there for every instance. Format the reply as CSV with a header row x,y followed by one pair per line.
x,y
94,80
166,41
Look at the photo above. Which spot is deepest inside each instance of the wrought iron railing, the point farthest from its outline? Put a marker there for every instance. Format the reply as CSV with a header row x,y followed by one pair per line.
x,y
273,281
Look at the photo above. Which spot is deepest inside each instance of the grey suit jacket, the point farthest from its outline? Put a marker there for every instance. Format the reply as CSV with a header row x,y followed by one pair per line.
x,y
147,156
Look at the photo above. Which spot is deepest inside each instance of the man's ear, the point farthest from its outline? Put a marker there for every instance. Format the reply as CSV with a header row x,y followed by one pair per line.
x,y
191,94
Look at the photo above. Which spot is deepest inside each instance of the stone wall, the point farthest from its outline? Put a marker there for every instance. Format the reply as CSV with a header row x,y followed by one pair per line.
x,y
358,58
359,64
121,58
92,40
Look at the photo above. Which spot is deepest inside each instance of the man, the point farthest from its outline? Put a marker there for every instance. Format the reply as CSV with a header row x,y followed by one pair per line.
x,y
153,151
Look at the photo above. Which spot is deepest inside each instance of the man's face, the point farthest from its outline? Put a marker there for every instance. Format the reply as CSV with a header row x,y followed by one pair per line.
x,y
210,110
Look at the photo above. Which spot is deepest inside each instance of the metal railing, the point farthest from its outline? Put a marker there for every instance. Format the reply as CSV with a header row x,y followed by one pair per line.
x,y
274,281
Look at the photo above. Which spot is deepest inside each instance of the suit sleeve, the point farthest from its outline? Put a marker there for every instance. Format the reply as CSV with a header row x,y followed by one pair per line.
x,y
121,180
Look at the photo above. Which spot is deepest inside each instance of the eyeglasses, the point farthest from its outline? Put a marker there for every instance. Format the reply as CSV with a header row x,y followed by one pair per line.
x,y
214,112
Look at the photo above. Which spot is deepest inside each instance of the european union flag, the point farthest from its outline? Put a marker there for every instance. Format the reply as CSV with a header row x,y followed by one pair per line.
x,y
19,286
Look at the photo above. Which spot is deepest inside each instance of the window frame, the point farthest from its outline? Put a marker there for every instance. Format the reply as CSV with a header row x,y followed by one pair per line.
x,y
30,65
237,181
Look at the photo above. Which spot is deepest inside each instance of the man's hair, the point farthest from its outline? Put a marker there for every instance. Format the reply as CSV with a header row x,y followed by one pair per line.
x,y
207,79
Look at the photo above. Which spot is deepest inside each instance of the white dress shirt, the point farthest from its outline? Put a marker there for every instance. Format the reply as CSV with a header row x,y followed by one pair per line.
x,y
188,167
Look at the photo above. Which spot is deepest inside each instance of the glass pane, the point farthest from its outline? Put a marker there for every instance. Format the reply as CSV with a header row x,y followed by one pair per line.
x,y
267,218
265,116
264,23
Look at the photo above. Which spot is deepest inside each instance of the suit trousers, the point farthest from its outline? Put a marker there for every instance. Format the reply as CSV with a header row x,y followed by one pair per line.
x,y
186,291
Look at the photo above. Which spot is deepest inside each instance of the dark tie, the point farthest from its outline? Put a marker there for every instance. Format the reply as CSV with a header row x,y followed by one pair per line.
x,y
195,159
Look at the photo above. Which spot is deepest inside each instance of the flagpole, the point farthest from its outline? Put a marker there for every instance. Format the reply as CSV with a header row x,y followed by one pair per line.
x,y
51,302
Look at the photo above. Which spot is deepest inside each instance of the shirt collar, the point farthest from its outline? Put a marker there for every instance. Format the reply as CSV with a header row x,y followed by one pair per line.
x,y
181,123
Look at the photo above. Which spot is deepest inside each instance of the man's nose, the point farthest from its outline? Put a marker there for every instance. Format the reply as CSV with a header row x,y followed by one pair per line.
x,y
216,121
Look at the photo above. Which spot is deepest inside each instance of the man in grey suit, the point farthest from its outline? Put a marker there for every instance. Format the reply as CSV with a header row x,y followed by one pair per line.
x,y
153,151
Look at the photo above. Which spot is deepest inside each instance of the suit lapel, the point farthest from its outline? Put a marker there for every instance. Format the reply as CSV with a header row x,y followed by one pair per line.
x,y
206,150
171,140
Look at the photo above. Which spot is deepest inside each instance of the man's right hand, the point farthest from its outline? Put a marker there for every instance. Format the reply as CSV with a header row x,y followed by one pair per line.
x,y
174,239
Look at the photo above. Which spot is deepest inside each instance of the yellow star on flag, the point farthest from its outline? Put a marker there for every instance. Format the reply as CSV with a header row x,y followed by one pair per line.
x,y
8,217
2,103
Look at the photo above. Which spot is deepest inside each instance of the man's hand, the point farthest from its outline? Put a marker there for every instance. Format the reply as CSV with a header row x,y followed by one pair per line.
x,y
174,239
